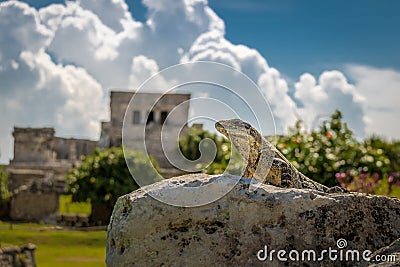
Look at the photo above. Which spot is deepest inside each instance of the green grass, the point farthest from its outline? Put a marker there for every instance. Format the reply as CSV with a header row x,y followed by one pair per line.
x,y
57,247
67,206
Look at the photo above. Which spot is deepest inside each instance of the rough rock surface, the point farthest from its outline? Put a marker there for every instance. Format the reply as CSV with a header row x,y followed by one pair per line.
x,y
232,230
388,255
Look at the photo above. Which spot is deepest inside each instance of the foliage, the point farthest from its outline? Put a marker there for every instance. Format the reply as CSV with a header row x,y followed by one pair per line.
x,y
104,176
190,143
226,160
332,149
372,184
4,193
68,206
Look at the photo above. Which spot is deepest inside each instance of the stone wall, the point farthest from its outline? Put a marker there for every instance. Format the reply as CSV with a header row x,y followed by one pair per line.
x,y
41,159
73,220
143,115
72,149
33,145
18,256
41,146
21,176
30,206
36,201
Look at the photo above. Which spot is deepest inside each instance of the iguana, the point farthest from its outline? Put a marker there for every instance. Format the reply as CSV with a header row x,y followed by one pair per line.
x,y
264,162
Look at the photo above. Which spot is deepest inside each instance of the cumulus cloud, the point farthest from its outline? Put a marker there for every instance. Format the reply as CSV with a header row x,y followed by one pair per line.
x,y
58,63
54,97
141,69
381,87
20,30
332,91
114,14
36,91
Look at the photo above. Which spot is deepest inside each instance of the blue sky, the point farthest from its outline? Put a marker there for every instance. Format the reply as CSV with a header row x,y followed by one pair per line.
x,y
58,63
312,35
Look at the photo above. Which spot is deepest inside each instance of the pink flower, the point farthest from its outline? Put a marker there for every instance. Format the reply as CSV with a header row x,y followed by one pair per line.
x,y
391,178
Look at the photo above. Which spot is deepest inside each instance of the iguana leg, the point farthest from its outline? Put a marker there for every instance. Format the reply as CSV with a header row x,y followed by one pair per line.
x,y
284,175
281,174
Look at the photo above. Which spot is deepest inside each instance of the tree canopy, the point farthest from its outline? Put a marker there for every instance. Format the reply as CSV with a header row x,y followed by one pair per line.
x,y
4,193
104,176
189,146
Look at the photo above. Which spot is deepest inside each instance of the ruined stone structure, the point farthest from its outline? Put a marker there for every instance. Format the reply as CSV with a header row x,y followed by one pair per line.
x,y
39,154
42,160
37,171
18,256
144,115
37,200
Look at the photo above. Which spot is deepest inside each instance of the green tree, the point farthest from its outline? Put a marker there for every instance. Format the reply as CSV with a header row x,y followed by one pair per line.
x,y
4,193
104,176
332,150
390,149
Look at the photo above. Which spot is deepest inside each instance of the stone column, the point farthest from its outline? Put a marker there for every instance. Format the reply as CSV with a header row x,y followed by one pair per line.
x,y
29,250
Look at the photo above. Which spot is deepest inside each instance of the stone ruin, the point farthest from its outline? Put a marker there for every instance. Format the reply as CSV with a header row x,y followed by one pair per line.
x,y
37,200
149,113
42,158
18,256
39,154
37,171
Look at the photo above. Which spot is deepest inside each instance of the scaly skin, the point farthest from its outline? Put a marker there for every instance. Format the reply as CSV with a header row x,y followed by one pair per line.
x,y
264,162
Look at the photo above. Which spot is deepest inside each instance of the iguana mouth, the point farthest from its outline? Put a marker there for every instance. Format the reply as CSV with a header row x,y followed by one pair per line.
x,y
234,128
221,129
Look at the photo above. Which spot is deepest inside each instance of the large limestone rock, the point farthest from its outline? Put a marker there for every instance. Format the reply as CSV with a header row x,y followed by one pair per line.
x,y
232,230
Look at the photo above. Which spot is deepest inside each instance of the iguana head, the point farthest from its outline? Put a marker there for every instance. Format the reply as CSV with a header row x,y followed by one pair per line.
x,y
246,140
238,128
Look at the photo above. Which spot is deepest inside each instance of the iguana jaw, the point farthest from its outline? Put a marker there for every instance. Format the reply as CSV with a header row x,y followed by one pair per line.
x,y
246,140
239,129
232,127
220,128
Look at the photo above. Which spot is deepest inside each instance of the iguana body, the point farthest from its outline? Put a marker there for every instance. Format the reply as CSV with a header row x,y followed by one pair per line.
x,y
264,162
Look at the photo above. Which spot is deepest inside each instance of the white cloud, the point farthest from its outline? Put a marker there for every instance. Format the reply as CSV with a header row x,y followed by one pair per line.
x,y
381,89
332,92
79,34
114,14
142,68
35,91
51,95
66,83
20,30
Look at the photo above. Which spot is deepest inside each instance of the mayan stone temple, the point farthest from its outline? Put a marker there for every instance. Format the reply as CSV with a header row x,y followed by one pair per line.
x,y
42,159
